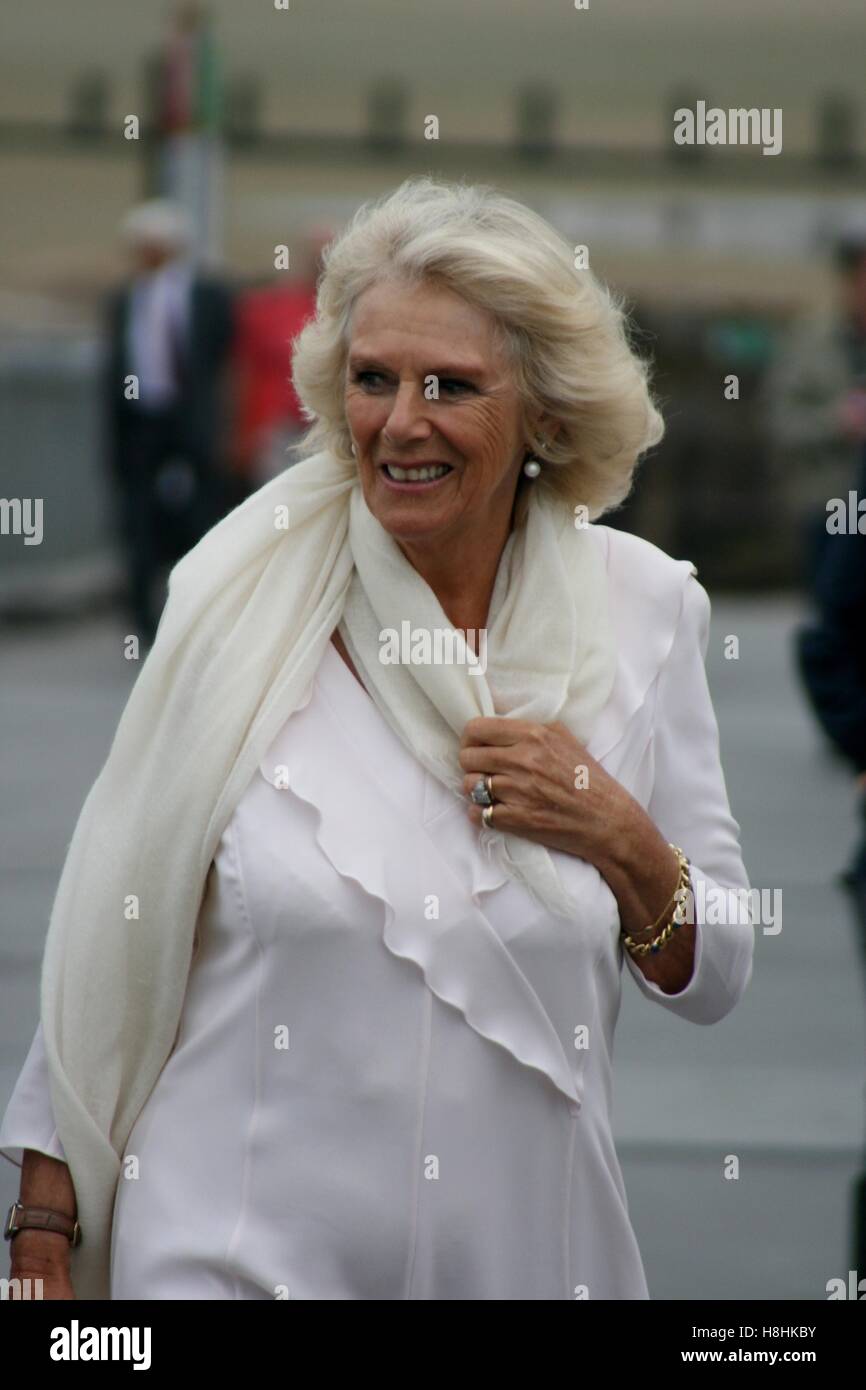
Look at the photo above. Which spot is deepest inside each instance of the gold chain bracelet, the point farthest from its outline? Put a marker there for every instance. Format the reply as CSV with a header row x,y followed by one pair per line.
x,y
678,916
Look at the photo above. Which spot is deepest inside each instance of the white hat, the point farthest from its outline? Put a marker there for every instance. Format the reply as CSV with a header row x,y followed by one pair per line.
x,y
158,221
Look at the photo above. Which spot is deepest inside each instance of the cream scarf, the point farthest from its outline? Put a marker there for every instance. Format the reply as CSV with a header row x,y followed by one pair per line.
x,y
249,612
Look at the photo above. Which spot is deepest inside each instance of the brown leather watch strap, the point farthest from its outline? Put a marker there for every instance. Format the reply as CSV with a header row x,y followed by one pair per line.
x,y
23,1218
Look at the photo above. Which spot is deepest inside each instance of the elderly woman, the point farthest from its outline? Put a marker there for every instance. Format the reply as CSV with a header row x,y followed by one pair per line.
x,y
421,755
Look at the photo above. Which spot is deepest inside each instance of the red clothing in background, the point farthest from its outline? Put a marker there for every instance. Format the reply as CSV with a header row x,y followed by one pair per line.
x,y
267,320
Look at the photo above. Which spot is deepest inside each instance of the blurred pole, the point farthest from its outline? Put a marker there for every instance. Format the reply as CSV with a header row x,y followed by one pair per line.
x,y
150,135
537,110
837,132
183,156
88,105
387,116
243,108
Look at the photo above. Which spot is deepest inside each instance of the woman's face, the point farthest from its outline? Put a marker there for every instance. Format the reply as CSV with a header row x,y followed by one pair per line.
x,y
401,337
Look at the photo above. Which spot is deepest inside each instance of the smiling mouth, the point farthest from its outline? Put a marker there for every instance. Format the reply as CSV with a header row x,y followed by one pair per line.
x,y
419,474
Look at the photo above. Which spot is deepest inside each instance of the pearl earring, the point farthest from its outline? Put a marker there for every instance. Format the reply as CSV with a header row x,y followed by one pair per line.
x,y
354,452
532,467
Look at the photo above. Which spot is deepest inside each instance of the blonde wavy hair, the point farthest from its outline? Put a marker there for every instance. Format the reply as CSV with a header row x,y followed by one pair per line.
x,y
567,334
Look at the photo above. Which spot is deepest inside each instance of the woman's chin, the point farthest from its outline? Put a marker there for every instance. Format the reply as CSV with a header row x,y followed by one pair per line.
x,y
406,524
412,516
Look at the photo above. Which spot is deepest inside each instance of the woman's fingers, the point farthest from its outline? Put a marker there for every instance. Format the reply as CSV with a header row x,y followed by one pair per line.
x,y
504,787
489,759
496,731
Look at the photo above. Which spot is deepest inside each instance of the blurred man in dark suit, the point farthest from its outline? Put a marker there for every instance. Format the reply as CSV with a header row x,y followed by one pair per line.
x,y
831,653
832,659
169,336
814,396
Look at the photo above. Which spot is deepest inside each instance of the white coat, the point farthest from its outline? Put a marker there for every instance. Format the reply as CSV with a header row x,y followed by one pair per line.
x,y
393,1074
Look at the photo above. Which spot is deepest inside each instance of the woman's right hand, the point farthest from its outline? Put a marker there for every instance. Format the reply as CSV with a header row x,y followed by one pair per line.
x,y
43,1255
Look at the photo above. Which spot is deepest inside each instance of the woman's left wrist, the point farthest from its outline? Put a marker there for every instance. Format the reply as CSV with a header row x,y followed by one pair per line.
x,y
622,852
642,871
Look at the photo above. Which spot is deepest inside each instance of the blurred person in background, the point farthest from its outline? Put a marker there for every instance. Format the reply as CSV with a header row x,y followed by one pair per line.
x,y
267,412
831,653
169,335
815,402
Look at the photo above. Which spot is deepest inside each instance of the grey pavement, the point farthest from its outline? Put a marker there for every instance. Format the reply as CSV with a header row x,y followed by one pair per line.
x,y
779,1083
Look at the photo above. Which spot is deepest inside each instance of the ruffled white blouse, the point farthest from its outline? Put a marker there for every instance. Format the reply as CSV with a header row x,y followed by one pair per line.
x,y
392,1078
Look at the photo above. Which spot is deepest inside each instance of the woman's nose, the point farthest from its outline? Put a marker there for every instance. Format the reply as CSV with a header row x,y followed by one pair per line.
x,y
407,419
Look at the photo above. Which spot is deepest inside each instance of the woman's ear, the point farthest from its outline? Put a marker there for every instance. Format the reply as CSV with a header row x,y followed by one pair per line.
x,y
546,427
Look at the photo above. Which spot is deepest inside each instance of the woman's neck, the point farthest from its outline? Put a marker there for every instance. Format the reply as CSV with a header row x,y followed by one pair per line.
x,y
462,578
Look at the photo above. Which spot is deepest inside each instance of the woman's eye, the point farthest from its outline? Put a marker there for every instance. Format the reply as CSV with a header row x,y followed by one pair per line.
x,y
452,386
368,379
